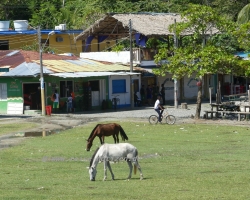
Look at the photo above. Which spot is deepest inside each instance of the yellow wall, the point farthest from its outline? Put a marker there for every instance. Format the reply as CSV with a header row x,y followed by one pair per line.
x,y
103,46
17,41
66,46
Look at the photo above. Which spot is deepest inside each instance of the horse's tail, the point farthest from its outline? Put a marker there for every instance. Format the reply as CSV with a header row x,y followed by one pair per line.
x,y
91,134
135,159
123,134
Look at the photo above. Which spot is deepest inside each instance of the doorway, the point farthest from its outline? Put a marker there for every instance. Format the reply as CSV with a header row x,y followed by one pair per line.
x,y
32,95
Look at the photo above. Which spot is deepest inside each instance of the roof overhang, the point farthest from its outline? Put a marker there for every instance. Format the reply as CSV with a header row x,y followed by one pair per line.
x,y
92,74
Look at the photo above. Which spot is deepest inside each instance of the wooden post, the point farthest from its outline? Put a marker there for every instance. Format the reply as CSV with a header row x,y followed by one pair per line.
x,y
248,95
219,93
210,94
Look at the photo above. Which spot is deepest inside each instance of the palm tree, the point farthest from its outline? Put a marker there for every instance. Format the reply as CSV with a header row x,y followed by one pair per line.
x,y
244,15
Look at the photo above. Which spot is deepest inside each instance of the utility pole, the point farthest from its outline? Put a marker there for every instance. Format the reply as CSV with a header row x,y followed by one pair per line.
x,y
131,66
41,70
175,80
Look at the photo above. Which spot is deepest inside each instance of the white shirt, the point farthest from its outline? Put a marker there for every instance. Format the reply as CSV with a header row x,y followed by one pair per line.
x,y
57,98
157,103
70,99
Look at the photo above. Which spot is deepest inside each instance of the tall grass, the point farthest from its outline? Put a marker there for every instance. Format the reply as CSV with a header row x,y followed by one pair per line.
x,y
188,161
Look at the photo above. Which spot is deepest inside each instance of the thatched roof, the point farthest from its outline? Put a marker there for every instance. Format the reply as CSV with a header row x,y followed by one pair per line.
x,y
117,25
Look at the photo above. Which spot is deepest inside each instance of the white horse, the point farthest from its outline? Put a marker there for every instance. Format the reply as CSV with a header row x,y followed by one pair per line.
x,y
114,152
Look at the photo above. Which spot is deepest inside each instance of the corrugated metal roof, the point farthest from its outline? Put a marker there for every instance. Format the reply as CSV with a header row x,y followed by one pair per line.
x,y
83,65
27,69
59,64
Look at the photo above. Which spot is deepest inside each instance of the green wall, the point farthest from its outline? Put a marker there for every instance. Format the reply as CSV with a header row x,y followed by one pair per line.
x,y
15,88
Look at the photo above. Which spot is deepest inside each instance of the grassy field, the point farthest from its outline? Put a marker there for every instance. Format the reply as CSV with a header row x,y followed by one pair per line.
x,y
188,161
6,128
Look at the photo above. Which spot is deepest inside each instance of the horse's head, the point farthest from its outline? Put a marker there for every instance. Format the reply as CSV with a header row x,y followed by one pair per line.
x,y
92,173
89,145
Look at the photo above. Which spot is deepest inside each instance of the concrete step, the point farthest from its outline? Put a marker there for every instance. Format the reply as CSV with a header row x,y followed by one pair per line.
x,y
32,112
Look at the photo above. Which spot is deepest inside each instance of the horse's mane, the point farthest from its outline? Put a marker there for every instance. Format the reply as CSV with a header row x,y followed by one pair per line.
x,y
92,158
93,131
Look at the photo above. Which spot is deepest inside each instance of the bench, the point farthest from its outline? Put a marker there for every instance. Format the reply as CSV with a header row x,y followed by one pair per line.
x,y
246,114
211,112
238,113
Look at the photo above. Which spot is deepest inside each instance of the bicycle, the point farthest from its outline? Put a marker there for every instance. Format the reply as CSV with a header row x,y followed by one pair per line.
x,y
166,118
115,100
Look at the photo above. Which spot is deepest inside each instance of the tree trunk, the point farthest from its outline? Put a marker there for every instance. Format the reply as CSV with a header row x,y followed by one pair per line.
x,y
198,108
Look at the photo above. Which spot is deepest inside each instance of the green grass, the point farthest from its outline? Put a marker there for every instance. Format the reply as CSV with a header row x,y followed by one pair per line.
x,y
6,128
188,161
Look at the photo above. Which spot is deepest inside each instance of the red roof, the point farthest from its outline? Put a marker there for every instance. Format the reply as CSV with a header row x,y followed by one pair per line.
x,y
21,56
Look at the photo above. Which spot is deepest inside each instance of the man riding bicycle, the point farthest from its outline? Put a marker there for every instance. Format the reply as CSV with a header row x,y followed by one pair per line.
x,y
158,107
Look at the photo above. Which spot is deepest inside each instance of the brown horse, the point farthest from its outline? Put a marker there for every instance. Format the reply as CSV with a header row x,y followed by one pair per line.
x,y
102,130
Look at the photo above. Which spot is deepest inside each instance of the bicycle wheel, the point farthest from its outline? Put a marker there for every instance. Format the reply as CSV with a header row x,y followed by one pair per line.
x,y
153,119
170,119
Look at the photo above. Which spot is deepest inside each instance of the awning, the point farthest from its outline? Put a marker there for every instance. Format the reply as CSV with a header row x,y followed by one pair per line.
x,y
91,74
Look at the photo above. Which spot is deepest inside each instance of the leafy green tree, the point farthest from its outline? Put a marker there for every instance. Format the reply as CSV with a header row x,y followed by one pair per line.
x,y
230,8
244,15
10,10
196,57
242,35
45,13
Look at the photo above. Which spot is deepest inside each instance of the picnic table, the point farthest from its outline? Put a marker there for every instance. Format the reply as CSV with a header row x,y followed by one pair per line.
x,y
214,110
245,113
223,109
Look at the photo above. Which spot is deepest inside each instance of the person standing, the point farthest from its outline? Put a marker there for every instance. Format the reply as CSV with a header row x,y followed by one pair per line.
x,y
56,101
69,103
73,100
38,98
137,101
163,93
158,107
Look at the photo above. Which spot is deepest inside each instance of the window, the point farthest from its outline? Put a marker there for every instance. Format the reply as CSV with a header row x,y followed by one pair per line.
x,y
119,86
65,88
3,91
